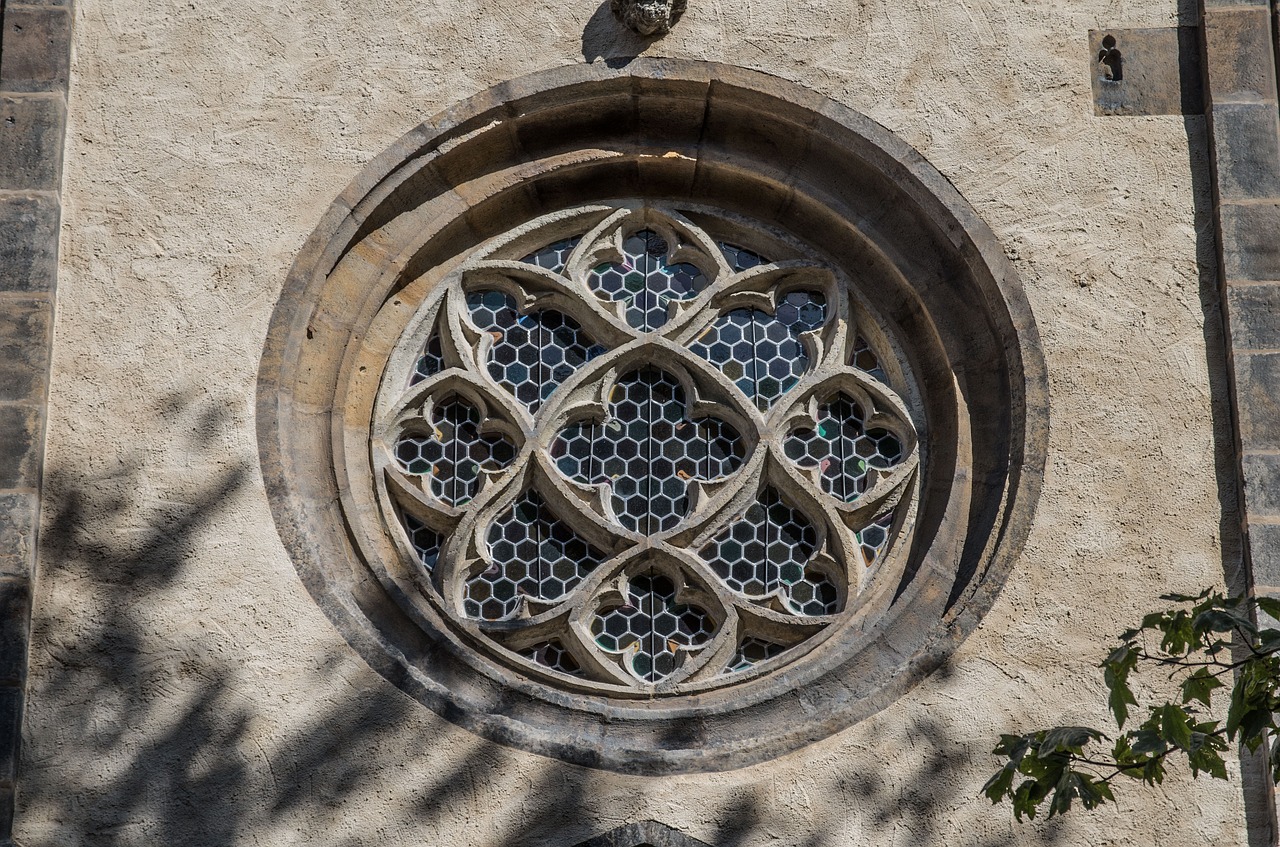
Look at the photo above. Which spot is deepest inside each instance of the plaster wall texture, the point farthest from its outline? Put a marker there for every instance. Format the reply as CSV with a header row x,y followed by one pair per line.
x,y
186,689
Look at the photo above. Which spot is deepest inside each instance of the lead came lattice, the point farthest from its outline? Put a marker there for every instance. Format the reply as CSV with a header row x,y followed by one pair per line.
x,y
535,555
651,630
645,280
760,352
647,450
650,430
533,353
454,452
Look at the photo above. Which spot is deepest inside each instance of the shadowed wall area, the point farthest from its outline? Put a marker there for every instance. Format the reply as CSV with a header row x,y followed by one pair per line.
x,y
188,687
198,770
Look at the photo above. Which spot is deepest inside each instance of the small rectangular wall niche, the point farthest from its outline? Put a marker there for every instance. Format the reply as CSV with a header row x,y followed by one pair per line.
x,y
1153,71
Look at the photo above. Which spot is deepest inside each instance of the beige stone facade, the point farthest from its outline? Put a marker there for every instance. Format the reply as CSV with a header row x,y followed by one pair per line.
x,y
185,686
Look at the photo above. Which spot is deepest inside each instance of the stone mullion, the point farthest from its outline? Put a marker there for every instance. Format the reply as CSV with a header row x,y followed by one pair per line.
x,y
34,67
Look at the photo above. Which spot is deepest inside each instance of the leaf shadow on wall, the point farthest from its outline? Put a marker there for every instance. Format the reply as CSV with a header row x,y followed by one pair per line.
x,y
151,731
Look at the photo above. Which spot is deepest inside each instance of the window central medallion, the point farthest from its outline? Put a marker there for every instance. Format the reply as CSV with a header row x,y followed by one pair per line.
x,y
643,451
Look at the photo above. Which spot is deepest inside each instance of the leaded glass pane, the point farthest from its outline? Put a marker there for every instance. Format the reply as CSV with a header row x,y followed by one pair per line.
x,y
654,547
647,450
760,352
645,281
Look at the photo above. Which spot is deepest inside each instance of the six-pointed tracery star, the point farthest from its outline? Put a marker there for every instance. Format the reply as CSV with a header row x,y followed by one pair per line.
x,y
636,455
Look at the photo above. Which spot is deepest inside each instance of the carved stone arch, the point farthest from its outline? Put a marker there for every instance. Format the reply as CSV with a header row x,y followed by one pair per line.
x,y
643,834
758,155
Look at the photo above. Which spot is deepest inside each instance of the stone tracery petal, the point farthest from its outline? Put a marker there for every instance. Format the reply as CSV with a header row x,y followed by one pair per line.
x,y
648,449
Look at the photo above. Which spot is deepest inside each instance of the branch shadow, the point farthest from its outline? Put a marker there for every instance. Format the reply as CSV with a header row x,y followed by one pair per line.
x,y
174,747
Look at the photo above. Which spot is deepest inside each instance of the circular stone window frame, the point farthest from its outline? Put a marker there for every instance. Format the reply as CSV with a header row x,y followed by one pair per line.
x,y
673,131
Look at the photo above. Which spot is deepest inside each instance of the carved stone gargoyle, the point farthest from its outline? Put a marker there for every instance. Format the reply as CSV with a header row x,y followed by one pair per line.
x,y
648,17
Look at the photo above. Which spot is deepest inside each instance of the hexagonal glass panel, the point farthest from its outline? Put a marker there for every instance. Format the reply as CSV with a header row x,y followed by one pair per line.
x,y
651,630
643,458
647,450
532,353
534,555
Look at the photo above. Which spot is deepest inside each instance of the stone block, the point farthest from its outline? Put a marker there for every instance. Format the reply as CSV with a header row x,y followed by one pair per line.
x,y
19,513
1250,241
1261,483
20,445
1246,138
1264,546
643,834
6,813
1258,400
26,326
1238,49
37,48
1152,71
1254,312
29,250
10,730
31,130
15,625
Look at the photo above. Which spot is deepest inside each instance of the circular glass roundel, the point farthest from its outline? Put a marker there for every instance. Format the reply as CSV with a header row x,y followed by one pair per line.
x,y
630,452
664,418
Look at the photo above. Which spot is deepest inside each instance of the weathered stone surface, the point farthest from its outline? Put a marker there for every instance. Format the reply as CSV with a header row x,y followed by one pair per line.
x,y
1255,315
1258,399
648,17
1264,546
1262,484
29,252
19,513
1251,231
1247,145
20,452
26,333
37,48
208,143
1154,71
643,834
15,613
31,128
1237,42
10,722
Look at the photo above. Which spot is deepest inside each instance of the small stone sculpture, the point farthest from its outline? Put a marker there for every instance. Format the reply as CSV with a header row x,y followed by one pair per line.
x,y
648,17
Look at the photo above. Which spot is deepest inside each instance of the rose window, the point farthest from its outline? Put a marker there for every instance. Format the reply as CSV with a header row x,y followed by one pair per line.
x,y
640,450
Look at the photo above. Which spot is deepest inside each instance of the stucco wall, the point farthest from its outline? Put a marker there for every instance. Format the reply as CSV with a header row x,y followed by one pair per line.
x,y
184,686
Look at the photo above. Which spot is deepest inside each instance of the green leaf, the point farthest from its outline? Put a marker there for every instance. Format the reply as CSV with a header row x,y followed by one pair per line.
x,y
1000,785
1270,605
1199,686
1068,739
1205,758
1148,742
1222,620
1153,772
1252,701
1028,797
1179,634
1174,725
1268,641
1116,669
1077,784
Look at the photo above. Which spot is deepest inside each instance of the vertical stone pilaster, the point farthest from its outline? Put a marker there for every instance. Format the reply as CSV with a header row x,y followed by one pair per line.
x,y
35,51
1240,82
